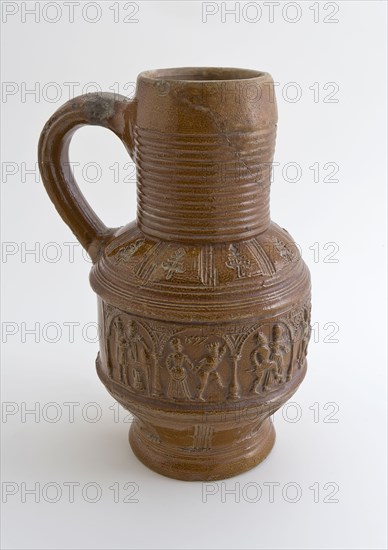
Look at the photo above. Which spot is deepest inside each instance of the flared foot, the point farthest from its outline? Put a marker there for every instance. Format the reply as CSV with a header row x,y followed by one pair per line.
x,y
206,464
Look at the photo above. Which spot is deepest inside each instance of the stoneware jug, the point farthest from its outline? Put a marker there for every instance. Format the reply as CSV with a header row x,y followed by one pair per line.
x,y
204,303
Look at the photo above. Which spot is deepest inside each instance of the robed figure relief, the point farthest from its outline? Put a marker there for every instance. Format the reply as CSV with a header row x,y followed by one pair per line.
x,y
305,337
139,358
177,364
279,348
132,356
265,368
120,347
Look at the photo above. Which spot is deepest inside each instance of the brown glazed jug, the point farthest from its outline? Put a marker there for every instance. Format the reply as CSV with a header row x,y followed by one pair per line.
x,y
204,303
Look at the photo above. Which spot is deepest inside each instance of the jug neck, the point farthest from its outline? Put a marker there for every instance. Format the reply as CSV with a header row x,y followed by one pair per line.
x,y
204,160
204,187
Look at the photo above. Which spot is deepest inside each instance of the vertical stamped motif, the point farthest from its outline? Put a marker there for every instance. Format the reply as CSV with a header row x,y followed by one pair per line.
x,y
202,437
174,264
284,250
240,263
207,270
264,262
124,254
149,263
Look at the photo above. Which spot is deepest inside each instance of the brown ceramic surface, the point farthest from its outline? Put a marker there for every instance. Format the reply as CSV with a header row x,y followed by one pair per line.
x,y
204,303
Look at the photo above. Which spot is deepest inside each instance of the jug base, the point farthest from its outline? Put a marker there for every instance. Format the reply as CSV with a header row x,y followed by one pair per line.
x,y
203,466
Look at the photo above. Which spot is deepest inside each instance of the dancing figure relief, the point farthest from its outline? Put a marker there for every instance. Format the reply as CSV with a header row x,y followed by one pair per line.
x,y
207,368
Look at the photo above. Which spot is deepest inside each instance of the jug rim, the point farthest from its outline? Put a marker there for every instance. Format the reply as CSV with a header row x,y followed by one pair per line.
x,y
203,74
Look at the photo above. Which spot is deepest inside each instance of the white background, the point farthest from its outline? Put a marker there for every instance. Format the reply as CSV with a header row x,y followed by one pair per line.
x,y
346,377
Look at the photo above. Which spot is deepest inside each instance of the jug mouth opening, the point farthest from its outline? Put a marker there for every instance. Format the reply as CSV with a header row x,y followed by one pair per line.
x,y
202,74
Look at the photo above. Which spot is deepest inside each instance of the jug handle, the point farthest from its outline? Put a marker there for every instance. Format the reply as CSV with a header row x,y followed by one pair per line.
x,y
100,109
